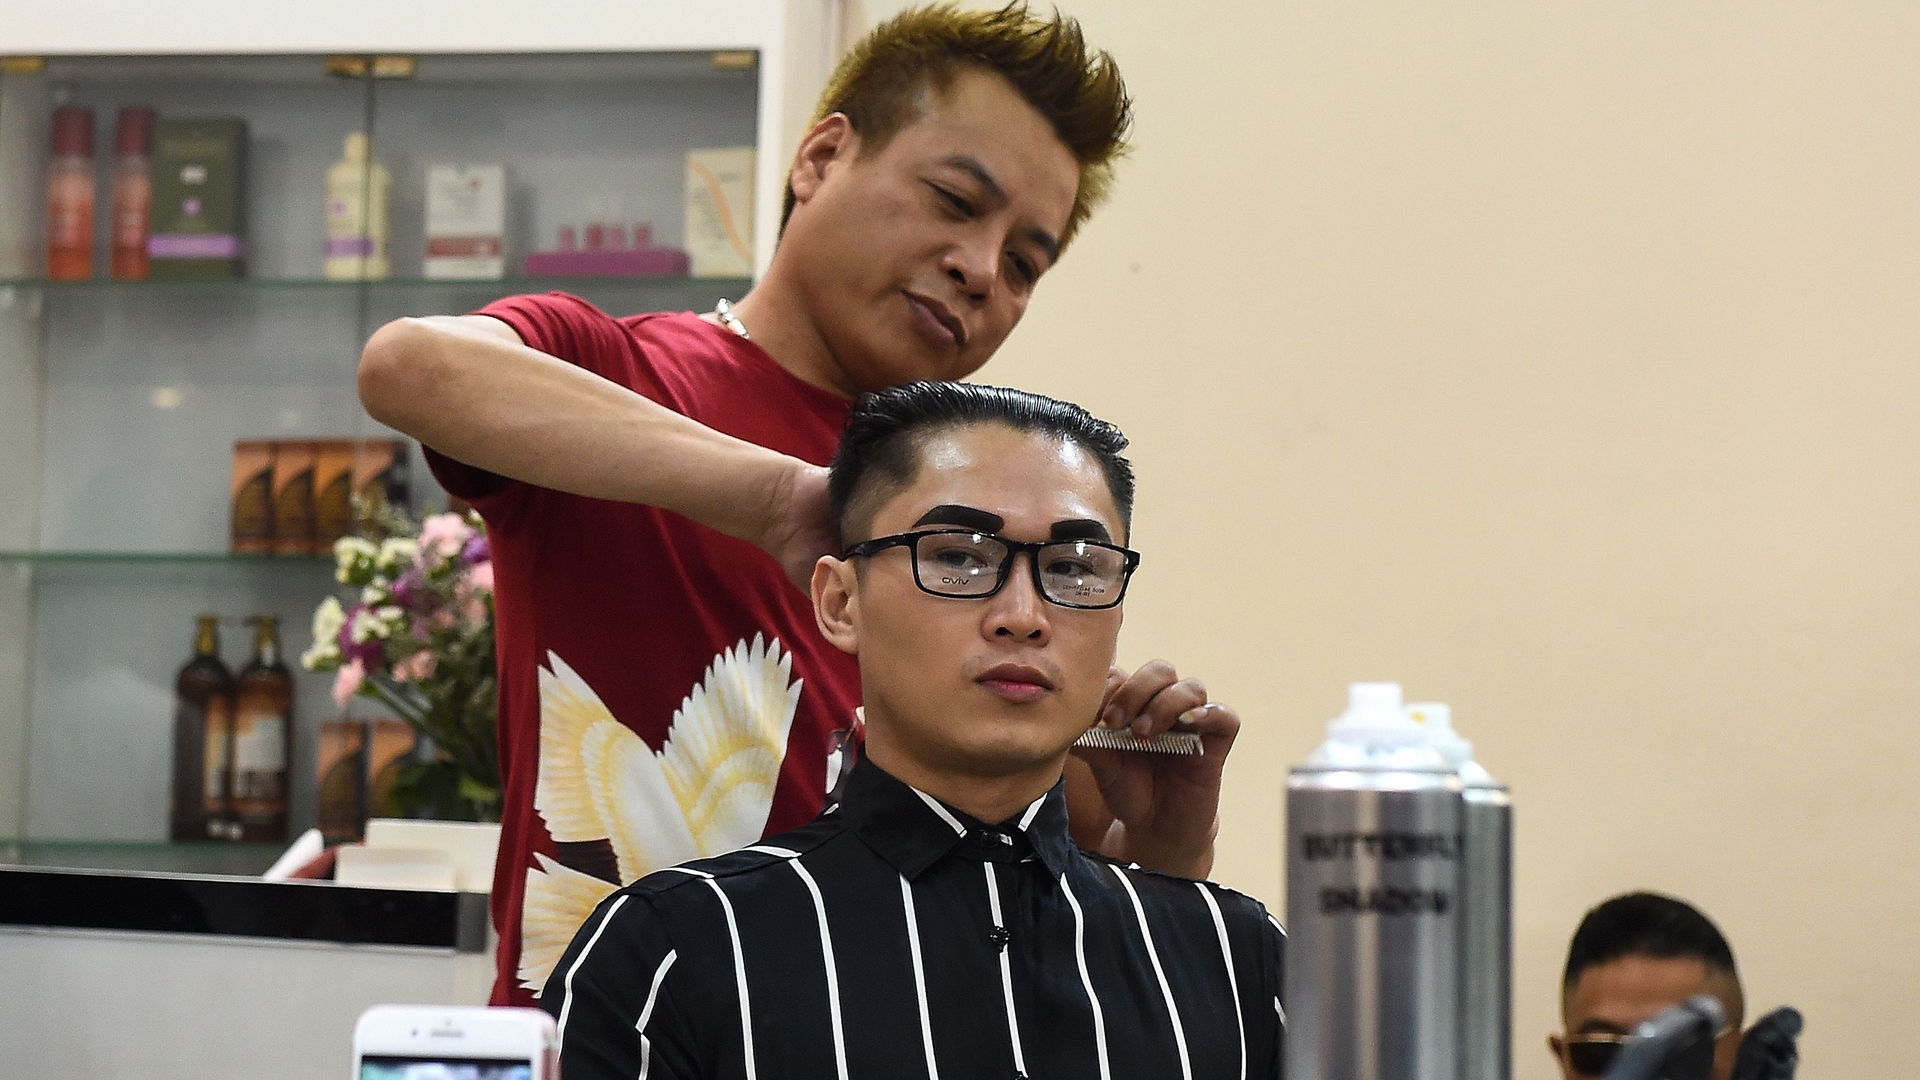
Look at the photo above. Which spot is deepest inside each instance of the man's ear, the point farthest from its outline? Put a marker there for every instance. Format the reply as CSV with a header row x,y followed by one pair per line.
x,y
1553,1047
836,603
828,141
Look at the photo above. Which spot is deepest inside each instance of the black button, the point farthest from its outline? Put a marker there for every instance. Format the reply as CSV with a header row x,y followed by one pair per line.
x,y
999,936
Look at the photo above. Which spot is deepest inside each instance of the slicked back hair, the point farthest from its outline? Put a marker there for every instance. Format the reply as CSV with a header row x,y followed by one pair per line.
x,y
880,452
1646,924
1079,92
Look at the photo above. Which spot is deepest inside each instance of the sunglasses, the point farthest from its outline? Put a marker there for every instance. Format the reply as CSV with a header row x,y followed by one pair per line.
x,y
1593,1054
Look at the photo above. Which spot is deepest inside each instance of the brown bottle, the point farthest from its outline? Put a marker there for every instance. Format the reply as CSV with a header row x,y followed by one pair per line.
x,y
200,804
262,738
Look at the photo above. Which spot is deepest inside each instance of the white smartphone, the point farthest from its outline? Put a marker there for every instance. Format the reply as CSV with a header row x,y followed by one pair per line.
x,y
454,1042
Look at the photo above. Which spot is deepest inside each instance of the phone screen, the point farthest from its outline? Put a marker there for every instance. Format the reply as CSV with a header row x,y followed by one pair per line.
x,y
440,1068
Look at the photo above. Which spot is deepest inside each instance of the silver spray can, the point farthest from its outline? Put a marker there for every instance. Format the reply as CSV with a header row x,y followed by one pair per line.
x,y
1373,917
1486,903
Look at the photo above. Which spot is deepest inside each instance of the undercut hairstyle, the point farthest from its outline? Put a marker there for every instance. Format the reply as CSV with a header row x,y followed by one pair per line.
x,y
880,453
878,85
1647,924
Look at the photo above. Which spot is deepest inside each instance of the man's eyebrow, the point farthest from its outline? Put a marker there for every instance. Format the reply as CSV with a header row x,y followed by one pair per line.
x,y
1080,529
964,516
972,167
1600,1027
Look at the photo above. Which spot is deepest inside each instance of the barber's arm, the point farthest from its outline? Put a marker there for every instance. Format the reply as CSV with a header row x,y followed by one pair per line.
x,y
619,993
1159,810
469,388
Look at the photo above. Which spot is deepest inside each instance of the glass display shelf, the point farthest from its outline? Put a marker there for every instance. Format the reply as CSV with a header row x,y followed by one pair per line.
x,y
161,558
210,857
503,286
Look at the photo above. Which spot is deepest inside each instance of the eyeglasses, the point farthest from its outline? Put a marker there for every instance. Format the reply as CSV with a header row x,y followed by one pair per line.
x,y
1593,1054
973,565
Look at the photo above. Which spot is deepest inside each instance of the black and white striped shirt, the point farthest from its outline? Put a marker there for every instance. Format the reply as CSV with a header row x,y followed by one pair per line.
x,y
895,937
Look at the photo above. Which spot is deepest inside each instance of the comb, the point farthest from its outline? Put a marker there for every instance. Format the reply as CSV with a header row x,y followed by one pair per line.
x,y
1167,742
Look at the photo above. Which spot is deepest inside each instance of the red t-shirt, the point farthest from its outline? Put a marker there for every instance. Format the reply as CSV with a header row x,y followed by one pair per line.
x,y
664,692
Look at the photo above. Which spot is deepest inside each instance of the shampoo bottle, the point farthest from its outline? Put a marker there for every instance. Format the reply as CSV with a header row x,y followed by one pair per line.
x,y
70,183
357,189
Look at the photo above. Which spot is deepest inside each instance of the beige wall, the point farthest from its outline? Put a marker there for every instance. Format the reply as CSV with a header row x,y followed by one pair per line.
x,y
1561,361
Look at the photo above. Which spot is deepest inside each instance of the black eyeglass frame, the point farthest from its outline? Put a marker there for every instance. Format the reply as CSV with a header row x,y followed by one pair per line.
x,y
911,541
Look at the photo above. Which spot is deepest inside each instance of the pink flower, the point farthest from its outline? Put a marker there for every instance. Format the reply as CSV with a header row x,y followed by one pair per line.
x,y
442,536
346,681
416,667
482,576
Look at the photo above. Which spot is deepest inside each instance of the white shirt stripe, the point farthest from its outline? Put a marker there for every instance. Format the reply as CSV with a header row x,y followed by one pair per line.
x,y
739,972
1006,973
919,975
833,974
1160,973
769,849
1086,980
1033,811
945,815
646,1011
566,1007
1233,980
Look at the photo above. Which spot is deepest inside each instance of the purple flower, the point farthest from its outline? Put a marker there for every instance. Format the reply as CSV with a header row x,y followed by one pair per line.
x,y
477,550
407,590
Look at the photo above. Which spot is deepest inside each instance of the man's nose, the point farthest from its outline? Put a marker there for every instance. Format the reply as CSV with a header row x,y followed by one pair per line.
x,y
1018,610
972,267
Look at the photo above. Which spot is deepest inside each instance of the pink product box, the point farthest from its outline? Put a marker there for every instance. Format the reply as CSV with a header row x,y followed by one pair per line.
x,y
631,262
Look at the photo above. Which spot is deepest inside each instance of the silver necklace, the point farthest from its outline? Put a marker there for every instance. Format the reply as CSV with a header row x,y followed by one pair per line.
x,y
729,320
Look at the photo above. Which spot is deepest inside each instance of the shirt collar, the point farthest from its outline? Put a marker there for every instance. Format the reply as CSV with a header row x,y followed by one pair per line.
x,y
912,830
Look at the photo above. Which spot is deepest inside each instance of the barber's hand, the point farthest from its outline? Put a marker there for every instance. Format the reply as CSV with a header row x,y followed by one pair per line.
x,y
798,528
1165,807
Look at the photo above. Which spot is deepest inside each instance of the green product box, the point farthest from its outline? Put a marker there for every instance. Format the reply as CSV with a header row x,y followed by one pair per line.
x,y
199,200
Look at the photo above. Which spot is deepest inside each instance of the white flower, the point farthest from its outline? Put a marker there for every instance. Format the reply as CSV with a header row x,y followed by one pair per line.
x,y
328,618
372,624
396,555
322,656
375,594
353,557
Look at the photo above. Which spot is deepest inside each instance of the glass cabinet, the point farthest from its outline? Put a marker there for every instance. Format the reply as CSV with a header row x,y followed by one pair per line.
x,y
124,390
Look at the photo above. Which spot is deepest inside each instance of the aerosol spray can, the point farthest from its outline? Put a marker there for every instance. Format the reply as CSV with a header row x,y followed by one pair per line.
x,y
1486,903
1373,912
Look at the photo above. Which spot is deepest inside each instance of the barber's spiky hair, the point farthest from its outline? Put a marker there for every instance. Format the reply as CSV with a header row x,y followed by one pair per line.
x,y
1079,92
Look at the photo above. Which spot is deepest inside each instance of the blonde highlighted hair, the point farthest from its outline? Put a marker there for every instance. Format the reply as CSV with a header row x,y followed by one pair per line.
x,y
1079,92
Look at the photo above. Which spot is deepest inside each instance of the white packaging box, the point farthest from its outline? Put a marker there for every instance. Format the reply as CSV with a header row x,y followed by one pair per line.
x,y
466,222
720,212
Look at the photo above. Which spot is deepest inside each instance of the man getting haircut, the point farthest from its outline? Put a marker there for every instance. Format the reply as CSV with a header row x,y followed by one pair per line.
x,y
654,490
1631,958
939,921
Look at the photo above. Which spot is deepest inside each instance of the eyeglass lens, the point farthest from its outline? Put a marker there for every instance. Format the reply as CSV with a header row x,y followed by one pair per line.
x,y
1592,1058
971,564
1694,1061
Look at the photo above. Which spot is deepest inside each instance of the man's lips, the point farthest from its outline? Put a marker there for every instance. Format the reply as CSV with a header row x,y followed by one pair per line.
x,y
1015,682
937,319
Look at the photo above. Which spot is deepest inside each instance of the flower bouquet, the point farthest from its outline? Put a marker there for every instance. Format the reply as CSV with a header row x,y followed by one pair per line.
x,y
417,636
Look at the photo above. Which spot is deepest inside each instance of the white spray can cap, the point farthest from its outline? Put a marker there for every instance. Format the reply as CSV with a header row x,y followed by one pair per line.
x,y
1436,721
1376,733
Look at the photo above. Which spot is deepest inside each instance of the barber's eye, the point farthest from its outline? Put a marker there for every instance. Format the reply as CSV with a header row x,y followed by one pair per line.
x,y
1025,269
954,202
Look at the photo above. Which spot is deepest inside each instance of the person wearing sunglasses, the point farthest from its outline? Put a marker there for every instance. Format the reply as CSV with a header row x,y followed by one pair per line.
x,y
939,920
1635,956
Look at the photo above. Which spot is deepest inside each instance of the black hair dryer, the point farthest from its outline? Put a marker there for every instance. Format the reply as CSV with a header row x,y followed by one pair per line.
x,y
1674,1045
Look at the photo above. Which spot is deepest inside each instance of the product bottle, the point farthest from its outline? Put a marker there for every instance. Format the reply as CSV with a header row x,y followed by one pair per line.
x,y
201,794
1373,919
262,733
132,193
70,184
357,189
1486,904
